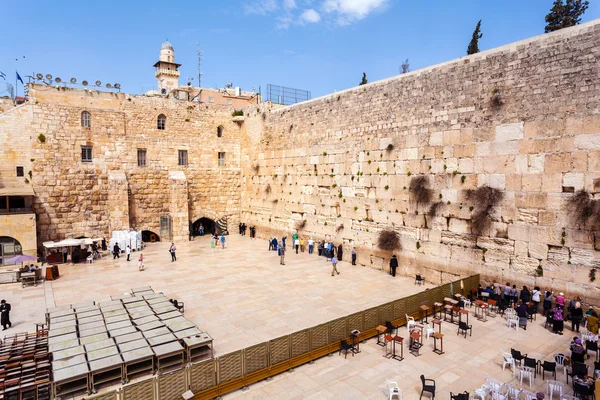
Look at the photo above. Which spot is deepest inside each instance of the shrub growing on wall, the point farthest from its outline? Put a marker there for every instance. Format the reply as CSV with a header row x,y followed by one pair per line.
x,y
484,199
584,210
419,189
388,240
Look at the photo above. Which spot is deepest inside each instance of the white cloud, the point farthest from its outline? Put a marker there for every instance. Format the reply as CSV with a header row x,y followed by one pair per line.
x,y
351,10
289,13
310,16
261,7
289,4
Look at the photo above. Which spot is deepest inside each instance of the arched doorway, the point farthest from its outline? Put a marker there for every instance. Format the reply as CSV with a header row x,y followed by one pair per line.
x,y
9,247
150,237
206,223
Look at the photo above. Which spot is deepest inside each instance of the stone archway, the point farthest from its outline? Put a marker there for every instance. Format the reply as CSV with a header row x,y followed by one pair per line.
x,y
209,227
150,237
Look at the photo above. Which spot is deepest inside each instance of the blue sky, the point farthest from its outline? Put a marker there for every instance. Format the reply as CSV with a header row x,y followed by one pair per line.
x,y
317,45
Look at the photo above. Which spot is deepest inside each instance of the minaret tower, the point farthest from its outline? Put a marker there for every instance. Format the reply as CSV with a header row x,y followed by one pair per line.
x,y
166,70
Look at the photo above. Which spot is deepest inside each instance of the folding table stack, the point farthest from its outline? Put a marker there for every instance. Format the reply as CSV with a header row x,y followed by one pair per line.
x,y
96,345
25,366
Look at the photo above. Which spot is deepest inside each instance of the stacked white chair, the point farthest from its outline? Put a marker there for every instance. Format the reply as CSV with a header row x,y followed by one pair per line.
x,y
526,372
554,387
395,391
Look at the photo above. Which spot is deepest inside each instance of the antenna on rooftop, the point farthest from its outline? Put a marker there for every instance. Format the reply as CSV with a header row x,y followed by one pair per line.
x,y
199,53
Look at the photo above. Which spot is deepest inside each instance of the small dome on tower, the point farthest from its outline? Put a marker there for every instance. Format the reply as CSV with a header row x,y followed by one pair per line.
x,y
166,45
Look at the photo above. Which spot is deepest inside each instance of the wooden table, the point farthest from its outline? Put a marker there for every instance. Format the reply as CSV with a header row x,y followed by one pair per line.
x,y
399,340
448,308
437,322
415,343
425,310
437,307
380,331
480,310
462,312
439,336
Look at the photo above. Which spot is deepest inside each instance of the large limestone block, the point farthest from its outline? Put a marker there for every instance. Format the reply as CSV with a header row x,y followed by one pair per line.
x,y
497,181
460,226
574,179
458,239
506,132
538,250
587,141
496,244
524,265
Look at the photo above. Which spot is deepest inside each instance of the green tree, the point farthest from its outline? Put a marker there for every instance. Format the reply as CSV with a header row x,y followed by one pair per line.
x,y
564,14
364,79
474,44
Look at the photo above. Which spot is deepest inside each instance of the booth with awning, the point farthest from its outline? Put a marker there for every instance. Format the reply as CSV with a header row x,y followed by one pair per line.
x,y
76,250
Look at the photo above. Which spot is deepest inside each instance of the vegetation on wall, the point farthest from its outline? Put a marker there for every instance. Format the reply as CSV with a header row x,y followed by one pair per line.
x,y
435,207
388,240
419,189
584,211
484,199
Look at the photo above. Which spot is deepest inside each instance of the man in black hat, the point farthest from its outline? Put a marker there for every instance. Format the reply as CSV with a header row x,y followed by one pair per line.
x,y
393,265
5,315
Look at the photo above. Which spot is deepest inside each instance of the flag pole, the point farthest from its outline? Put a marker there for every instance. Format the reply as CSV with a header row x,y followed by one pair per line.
x,y
16,87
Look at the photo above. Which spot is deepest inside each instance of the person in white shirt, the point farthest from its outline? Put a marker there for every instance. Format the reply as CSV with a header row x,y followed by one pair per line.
x,y
128,252
297,244
311,245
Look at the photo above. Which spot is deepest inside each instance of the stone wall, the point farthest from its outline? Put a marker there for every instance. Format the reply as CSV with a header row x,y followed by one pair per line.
x,y
22,228
75,198
523,118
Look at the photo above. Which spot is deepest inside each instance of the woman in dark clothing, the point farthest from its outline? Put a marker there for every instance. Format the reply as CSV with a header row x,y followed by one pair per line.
x,y
522,313
576,317
548,302
320,248
340,251
525,295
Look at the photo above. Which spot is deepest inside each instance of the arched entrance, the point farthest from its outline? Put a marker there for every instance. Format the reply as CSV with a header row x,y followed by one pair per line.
x,y
150,237
9,247
206,223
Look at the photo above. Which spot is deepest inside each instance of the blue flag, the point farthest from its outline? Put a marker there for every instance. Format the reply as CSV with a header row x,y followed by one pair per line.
x,y
2,75
19,78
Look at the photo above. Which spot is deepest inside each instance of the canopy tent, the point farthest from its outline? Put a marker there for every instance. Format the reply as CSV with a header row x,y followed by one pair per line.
x,y
21,258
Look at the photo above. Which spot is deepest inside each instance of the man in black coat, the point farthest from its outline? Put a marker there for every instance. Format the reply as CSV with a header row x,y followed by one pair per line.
x,y
393,265
5,315
340,251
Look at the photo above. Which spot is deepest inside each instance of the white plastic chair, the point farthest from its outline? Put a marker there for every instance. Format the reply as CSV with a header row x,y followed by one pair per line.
x,y
554,387
507,359
481,392
394,390
513,320
499,392
526,372
527,395
568,397
467,302
589,336
493,385
429,331
559,359
512,392
509,312
410,322
90,259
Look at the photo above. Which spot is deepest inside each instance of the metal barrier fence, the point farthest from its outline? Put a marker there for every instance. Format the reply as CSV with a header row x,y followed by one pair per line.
x,y
211,378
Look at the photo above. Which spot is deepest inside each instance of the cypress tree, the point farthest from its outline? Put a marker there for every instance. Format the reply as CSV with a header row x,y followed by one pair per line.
x,y
364,79
474,44
564,14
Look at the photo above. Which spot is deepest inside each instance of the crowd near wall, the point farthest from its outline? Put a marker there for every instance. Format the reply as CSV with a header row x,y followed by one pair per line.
x,y
523,118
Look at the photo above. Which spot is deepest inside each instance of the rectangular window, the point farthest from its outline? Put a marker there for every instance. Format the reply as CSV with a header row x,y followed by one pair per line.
x,y
183,159
211,99
20,171
86,153
141,153
229,101
221,159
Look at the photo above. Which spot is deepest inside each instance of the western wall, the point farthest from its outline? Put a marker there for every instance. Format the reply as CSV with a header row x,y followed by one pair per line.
x,y
523,118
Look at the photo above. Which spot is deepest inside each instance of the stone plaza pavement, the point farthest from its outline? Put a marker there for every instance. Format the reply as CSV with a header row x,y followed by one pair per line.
x,y
464,366
242,296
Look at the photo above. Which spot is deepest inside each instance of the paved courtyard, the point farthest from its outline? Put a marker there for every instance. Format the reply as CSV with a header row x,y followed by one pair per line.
x,y
464,366
240,295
